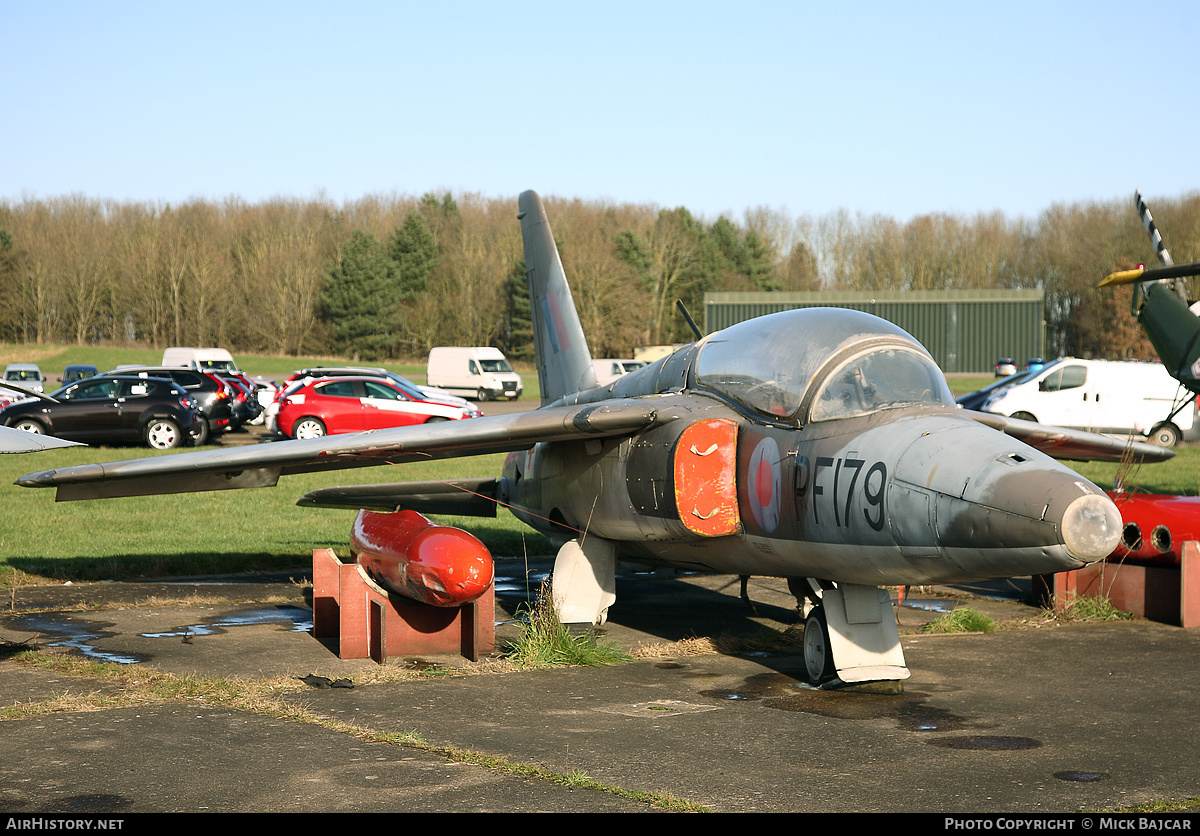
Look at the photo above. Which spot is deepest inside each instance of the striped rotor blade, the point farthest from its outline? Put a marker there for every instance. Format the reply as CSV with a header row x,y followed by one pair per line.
x,y
1152,231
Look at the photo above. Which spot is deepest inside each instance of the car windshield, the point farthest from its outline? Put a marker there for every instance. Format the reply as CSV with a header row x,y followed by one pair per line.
x,y
1011,380
217,366
405,386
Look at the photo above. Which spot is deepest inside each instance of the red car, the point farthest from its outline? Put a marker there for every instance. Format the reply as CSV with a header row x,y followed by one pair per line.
x,y
335,405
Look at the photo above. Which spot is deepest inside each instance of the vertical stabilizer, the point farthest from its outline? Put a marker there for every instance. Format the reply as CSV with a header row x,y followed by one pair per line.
x,y
563,359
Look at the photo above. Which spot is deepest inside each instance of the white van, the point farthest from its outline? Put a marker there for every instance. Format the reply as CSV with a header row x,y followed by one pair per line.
x,y
609,369
201,359
1107,396
479,372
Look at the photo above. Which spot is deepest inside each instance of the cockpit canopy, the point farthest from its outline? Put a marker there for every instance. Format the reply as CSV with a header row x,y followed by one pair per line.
x,y
820,364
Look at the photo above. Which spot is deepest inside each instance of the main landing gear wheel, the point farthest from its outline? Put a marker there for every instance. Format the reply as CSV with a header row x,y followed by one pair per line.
x,y
818,658
1165,435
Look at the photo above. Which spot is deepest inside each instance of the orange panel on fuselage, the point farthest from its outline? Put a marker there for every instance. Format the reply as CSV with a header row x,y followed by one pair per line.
x,y
705,477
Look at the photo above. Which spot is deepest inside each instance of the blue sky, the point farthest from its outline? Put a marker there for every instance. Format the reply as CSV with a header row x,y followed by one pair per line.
x,y
890,108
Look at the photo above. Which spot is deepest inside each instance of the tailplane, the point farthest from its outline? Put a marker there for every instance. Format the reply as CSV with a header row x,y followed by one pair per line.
x,y
563,359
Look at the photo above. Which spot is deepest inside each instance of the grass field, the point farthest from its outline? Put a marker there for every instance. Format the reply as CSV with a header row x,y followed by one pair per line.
x,y
200,533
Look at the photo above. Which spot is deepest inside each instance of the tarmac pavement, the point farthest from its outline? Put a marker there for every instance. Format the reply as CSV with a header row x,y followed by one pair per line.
x,y
1038,717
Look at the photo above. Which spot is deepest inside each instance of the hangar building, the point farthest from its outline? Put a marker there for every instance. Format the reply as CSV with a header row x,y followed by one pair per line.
x,y
966,331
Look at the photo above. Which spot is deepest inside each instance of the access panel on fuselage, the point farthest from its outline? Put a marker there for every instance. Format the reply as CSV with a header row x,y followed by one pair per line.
x,y
705,470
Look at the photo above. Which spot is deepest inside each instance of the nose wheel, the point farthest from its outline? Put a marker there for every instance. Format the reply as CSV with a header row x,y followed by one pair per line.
x,y
850,633
818,658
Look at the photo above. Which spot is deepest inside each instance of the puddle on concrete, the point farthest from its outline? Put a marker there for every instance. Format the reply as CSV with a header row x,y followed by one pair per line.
x,y
929,605
1083,777
985,742
61,631
299,618
657,709
908,710
416,664
520,584
64,630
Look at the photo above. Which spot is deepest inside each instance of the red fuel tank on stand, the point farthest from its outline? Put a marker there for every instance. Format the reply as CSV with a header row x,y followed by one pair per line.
x,y
1155,527
412,556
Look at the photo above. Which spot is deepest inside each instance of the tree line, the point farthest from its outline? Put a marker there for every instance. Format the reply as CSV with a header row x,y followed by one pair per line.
x,y
392,276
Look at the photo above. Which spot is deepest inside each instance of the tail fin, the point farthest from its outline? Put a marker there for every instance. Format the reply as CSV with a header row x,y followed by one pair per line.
x,y
563,359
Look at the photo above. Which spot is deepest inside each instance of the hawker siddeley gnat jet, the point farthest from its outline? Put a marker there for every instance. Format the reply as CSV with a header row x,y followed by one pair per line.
x,y
818,445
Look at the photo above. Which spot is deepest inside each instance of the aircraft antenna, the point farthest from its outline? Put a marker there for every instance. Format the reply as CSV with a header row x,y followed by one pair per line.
x,y
688,318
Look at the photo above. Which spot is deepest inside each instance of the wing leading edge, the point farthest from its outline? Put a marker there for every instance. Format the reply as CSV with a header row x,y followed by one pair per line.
x,y
19,441
263,464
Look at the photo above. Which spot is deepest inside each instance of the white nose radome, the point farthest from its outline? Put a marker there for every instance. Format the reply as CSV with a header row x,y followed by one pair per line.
x,y
1091,527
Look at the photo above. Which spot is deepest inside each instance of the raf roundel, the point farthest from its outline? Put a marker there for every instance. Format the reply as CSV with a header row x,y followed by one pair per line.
x,y
764,483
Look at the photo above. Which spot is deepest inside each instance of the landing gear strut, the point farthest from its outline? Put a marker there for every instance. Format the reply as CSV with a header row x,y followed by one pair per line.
x,y
849,632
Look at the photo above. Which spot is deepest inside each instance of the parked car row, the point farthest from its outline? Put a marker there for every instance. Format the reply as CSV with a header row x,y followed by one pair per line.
x,y
1005,366
200,393
112,408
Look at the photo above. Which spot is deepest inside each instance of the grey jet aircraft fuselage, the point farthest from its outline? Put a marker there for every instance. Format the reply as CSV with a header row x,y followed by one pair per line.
x,y
862,470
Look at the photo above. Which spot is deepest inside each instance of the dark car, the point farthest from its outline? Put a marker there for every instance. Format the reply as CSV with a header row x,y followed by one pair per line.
x,y
976,400
77,371
113,410
213,396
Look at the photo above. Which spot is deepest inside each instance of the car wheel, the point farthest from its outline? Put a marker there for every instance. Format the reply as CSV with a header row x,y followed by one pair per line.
x,y
437,419
201,433
1165,435
30,426
308,428
482,396
1024,416
163,434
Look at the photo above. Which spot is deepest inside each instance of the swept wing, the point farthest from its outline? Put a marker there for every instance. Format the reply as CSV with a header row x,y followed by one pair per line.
x,y
1073,445
263,464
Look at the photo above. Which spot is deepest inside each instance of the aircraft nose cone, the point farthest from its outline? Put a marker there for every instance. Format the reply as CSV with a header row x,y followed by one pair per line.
x,y
999,507
1091,527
